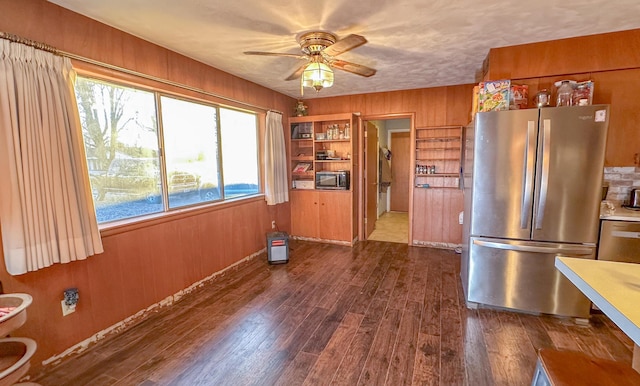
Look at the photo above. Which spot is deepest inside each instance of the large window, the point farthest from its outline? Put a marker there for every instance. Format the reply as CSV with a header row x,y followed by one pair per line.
x,y
239,152
209,153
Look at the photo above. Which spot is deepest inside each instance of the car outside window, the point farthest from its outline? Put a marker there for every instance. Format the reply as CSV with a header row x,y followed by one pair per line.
x,y
121,144
191,151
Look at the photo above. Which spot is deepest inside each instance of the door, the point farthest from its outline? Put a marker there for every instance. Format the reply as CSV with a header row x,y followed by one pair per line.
x,y
503,173
304,213
400,150
521,275
334,212
571,148
371,178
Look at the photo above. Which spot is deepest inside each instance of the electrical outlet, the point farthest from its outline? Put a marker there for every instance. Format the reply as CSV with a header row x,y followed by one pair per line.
x,y
273,224
66,309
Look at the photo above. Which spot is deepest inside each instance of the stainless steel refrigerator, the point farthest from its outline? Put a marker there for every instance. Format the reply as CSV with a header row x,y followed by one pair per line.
x,y
532,184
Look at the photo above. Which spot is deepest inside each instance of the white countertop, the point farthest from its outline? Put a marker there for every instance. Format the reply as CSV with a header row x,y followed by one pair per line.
x,y
622,214
612,286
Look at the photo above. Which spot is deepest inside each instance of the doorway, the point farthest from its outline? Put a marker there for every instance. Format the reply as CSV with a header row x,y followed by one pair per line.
x,y
387,163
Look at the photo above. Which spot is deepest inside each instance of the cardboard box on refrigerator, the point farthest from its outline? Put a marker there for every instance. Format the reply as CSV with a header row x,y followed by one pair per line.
x,y
499,95
494,95
519,97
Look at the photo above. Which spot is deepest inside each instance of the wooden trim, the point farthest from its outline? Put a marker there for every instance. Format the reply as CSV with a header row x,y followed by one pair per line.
x,y
384,117
412,176
325,117
439,127
361,188
435,244
636,358
361,198
411,116
319,240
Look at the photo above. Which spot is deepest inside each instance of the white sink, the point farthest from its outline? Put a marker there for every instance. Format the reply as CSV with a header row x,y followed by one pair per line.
x,y
18,314
15,354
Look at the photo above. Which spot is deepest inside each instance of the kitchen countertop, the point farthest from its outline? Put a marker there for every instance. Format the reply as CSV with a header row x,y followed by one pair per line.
x,y
612,286
622,214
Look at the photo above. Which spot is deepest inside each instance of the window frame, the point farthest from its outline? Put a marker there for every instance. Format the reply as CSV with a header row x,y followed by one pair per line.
x,y
167,214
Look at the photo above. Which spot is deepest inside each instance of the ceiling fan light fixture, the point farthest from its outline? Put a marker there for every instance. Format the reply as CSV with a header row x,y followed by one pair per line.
x,y
317,75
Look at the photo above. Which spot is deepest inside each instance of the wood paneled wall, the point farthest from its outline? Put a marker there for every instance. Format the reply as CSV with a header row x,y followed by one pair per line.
x,y
145,265
435,213
438,106
611,60
601,52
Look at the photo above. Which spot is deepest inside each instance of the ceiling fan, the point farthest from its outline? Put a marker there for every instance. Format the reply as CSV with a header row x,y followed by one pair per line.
x,y
319,49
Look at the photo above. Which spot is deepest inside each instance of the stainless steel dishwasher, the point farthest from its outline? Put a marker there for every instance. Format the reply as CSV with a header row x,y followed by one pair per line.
x,y
619,241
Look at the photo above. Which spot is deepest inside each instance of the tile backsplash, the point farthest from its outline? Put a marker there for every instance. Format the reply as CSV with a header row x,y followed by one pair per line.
x,y
621,180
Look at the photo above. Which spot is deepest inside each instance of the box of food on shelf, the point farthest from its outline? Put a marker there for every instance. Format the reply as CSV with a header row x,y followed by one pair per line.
x,y
303,184
302,167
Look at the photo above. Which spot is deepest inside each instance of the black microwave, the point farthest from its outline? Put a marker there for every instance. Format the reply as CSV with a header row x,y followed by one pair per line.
x,y
332,180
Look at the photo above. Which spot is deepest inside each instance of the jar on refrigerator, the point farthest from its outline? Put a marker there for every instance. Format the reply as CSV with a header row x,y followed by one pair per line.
x,y
564,93
582,94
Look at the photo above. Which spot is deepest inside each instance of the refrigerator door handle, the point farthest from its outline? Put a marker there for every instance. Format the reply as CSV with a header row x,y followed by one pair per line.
x,y
626,234
527,182
544,183
572,251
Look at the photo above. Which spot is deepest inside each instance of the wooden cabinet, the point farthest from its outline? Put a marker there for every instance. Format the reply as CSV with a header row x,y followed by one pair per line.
x,y
437,157
322,216
323,143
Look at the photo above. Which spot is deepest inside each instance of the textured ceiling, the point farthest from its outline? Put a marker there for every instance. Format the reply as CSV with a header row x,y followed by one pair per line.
x,y
412,43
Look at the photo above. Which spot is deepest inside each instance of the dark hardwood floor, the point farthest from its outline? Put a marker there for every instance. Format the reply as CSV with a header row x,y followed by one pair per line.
x,y
376,314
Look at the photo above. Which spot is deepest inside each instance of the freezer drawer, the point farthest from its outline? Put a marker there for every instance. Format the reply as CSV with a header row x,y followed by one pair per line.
x,y
521,275
619,241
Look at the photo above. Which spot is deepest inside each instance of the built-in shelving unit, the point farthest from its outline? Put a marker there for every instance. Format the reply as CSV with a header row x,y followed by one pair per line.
x,y
436,199
323,143
438,155
320,143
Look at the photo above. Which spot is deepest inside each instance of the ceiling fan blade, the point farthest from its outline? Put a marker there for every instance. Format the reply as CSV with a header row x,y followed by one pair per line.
x,y
297,73
343,45
353,68
297,56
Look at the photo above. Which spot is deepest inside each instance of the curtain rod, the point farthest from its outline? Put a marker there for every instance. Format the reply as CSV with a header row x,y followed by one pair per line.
x,y
48,48
27,42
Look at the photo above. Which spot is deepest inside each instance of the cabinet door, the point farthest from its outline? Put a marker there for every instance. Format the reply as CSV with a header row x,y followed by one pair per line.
x,y
304,213
620,90
334,215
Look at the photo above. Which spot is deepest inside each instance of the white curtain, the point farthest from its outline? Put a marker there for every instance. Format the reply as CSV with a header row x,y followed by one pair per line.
x,y
275,161
46,209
